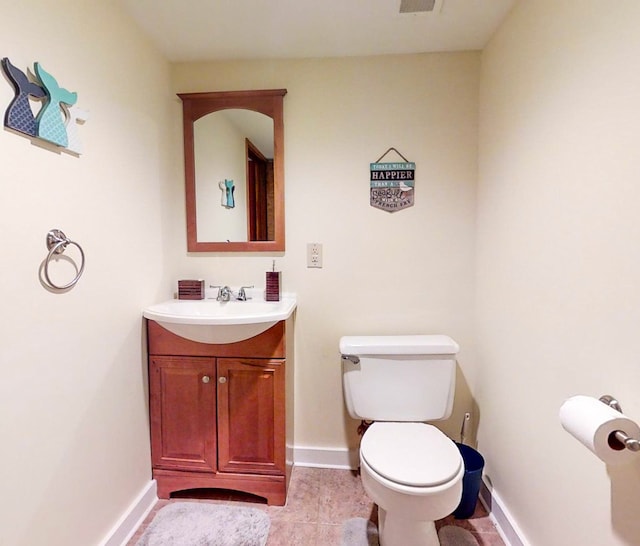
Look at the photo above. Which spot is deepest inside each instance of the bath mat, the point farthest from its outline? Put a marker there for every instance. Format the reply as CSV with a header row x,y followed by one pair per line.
x,y
450,535
202,524
359,532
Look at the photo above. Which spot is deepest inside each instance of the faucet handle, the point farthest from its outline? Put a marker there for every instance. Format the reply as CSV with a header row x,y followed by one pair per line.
x,y
224,294
242,295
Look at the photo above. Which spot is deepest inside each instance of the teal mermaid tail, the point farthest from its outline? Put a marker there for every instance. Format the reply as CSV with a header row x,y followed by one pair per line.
x,y
50,120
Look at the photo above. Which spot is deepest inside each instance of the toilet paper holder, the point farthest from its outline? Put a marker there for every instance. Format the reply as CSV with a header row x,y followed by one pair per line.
x,y
619,439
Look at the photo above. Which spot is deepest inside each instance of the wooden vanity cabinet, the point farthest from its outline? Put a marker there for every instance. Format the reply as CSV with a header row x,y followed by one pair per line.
x,y
183,417
251,416
218,413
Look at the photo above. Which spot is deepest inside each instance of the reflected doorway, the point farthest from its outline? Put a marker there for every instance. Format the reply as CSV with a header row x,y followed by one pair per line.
x,y
260,193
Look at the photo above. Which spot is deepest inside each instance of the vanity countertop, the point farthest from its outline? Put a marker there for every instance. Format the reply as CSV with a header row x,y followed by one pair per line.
x,y
210,312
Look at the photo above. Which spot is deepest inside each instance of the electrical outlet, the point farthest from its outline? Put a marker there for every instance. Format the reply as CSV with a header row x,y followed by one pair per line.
x,y
314,255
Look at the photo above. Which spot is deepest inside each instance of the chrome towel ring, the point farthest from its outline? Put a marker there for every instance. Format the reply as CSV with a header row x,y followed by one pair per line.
x,y
57,242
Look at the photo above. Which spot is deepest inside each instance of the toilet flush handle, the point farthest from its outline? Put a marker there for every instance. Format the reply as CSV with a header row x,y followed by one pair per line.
x,y
351,358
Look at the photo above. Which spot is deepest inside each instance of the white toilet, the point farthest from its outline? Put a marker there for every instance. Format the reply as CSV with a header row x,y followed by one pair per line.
x,y
410,469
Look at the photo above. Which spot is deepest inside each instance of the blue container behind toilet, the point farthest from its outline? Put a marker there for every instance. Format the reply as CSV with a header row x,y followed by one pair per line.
x,y
473,466
472,479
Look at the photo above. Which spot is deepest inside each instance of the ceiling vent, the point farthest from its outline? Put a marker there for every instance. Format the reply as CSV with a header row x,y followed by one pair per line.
x,y
420,6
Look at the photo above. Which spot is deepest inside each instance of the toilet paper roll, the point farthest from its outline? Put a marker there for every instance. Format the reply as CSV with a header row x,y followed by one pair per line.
x,y
592,423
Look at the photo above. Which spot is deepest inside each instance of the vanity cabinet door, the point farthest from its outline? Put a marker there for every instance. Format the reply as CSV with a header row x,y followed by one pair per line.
x,y
183,412
251,415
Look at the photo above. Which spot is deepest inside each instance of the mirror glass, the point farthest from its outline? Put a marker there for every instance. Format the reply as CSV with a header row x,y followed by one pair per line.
x,y
234,170
233,151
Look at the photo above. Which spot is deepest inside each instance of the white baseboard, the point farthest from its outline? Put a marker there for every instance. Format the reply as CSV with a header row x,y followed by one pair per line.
x,y
325,457
132,517
506,525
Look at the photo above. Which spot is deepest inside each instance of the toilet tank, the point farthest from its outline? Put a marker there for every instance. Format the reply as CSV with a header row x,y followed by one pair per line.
x,y
399,378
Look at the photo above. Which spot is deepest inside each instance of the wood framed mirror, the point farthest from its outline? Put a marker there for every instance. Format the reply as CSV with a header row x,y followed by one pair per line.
x,y
234,170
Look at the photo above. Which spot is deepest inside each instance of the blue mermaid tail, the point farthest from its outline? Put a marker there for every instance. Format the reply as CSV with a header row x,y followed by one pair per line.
x,y
19,115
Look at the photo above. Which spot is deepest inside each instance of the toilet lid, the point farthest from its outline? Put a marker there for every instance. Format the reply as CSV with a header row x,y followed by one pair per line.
x,y
410,453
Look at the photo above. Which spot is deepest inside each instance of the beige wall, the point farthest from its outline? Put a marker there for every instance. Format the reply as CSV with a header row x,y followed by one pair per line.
x,y
406,272
558,305
75,449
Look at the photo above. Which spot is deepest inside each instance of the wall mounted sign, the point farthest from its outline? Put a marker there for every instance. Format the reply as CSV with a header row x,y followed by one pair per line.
x,y
57,119
392,184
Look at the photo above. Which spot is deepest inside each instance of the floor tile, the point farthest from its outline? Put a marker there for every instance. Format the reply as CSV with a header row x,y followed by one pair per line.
x,y
342,497
302,498
329,535
488,539
291,533
319,501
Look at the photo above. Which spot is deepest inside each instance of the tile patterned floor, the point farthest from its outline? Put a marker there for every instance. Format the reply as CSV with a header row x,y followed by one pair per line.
x,y
318,503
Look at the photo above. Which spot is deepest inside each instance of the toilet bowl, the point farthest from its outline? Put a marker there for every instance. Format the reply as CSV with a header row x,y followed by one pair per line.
x,y
410,469
413,472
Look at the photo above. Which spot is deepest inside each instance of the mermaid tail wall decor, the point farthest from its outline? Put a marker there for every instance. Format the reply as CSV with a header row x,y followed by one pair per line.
x,y
231,203
49,121
223,198
74,116
228,189
19,115
58,115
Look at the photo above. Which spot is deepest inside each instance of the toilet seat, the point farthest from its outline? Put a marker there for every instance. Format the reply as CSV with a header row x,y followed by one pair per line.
x,y
413,454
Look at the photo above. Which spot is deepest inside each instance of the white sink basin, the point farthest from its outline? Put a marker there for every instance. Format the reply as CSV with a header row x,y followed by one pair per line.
x,y
211,321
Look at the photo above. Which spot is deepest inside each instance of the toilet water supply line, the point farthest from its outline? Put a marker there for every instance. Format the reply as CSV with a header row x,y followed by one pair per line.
x,y
463,430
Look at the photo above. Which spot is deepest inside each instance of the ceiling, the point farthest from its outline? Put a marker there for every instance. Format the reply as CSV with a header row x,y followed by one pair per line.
x,y
197,30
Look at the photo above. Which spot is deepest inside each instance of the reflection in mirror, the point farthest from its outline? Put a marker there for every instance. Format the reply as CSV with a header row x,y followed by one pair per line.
x,y
234,146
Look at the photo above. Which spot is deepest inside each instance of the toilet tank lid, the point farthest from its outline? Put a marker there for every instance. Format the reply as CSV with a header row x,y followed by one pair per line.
x,y
398,345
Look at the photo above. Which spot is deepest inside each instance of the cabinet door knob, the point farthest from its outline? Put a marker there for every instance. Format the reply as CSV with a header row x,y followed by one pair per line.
x,y
222,379
205,379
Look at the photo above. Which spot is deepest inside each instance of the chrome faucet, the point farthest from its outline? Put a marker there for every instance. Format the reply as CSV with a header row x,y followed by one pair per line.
x,y
242,295
224,294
